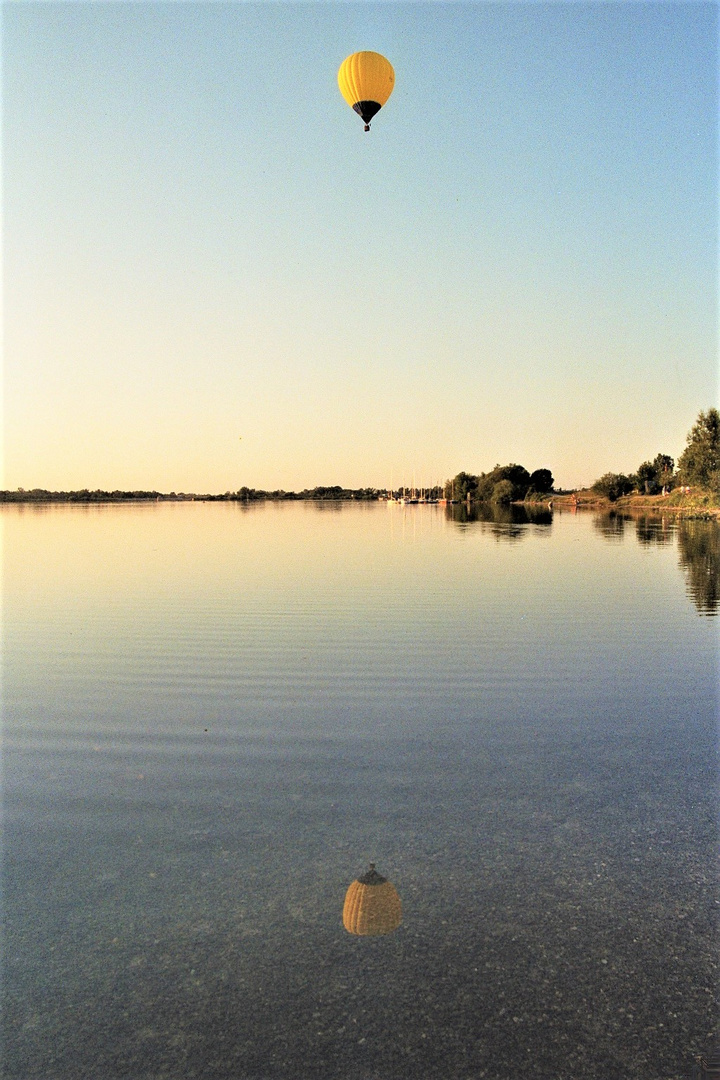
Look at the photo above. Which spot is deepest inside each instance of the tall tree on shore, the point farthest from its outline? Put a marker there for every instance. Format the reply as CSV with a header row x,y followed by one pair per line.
x,y
653,476
516,475
464,486
541,481
699,463
613,485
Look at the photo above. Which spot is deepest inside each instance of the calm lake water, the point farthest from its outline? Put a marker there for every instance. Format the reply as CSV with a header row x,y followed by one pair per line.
x,y
217,715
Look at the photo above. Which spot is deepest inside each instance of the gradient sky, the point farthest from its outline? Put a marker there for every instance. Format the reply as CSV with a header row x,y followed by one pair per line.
x,y
213,277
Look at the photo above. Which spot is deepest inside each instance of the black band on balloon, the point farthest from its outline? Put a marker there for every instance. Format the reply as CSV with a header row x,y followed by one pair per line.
x,y
366,109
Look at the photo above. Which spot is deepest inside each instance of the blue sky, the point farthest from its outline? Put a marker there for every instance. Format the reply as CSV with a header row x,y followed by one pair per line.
x,y
214,277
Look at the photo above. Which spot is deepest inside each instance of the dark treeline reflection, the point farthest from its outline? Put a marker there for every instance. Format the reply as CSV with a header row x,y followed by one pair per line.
x,y
650,530
612,525
323,505
699,549
506,521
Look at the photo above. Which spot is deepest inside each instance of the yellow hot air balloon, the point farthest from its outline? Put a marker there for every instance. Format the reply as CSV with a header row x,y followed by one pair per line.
x,y
372,905
366,81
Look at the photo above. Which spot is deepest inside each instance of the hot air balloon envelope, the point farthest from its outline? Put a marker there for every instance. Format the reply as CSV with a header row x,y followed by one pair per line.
x,y
366,81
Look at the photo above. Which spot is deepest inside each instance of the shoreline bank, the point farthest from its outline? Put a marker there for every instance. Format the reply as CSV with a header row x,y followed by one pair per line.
x,y
693,504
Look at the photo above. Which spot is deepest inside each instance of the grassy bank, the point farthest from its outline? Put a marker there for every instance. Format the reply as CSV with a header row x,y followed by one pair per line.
x,y
695,503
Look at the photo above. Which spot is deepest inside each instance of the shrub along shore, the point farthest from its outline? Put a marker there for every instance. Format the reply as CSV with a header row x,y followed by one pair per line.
x,y
695,503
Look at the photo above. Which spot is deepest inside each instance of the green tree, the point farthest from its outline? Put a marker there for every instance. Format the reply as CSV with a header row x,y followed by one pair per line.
x,y
503,492
464,486
664,470
699,463
647,478
613,485
653,476
517,475
541,480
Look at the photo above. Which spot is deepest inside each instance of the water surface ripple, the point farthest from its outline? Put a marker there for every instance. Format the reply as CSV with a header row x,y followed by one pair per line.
x,y
216,716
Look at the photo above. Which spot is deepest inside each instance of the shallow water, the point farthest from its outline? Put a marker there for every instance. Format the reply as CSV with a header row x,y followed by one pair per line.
x,y
217,715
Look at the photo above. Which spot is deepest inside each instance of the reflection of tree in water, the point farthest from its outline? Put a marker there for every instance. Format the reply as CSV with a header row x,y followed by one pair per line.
x,y
325,505
611,525
507,522
699,544
652,530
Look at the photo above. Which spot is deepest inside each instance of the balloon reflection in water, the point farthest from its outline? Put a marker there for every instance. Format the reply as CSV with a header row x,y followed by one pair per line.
x,y
372,905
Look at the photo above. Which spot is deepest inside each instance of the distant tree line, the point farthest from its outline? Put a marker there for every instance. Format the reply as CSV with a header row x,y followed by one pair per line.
x,y
244,494
42,495
504,484
332,493
698,466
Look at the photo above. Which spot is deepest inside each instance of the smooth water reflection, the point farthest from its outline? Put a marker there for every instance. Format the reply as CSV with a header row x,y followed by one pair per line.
x,y
698,543
216,716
